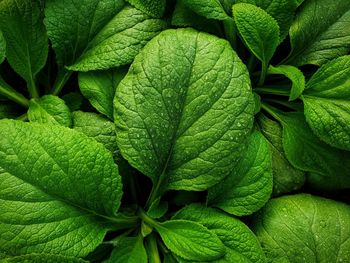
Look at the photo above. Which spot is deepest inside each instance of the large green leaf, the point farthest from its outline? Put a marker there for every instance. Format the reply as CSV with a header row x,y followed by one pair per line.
x,y
212,9
128,250
249,186
2,47
72,24
51,110
327,103
320,32
281,10
286,178
152,7
240,243
22,25
119,41
183,110
190,240
58,188
99,88
304,228
97,127
259,31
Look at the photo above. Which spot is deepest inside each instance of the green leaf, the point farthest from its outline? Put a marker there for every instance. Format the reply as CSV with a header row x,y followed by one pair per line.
x,y
320,32
185,17
51,110
183,110
119,41
295,75
327,103
72,25
42,258
73,100
157,209
190,240
281,10
59,187
2,47
249,186
286,178
306,152
153,8
259,31
304,228
97,127
324,183
27,45
211,9
128,250
99,88
242,246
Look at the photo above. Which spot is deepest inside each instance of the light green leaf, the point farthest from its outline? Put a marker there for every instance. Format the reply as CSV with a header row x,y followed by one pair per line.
x,y
281,10
320,32
308,153
153,8
119,41
128,250
259,31
304,228
240,243
249,186
22,26
71,25
97,127
58,188
42,258
2,47
190,240
183,110
286,178
327,103
99,88
211,9
295,75
51,110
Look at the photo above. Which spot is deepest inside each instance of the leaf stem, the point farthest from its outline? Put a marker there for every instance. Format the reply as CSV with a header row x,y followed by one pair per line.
x,y
23,117
141,213
271,90
231,32
152,246
62,78
12,94
272,111
263,74
291,105
33,89
251,63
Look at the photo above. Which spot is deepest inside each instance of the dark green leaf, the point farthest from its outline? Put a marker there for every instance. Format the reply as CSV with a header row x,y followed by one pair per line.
x,y
2,47
153,8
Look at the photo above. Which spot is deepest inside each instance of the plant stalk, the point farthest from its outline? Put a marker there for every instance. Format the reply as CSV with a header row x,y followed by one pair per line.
x,y
12,94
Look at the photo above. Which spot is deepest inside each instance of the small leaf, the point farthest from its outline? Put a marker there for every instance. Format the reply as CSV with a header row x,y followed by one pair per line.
x,y
295,75
304,228
211,9
128,250
54,196
51,110
157,209
153,8
2,47
320,32
240,243
97,127
259,31
190,240
99,88
327,103
286,178
248,187
183,109
119,41
22,26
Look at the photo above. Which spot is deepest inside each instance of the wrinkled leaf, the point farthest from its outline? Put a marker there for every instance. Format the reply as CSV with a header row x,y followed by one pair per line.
x,y
212,9
151,7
